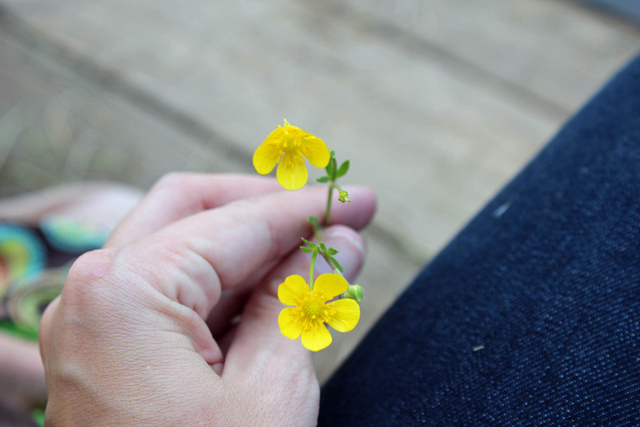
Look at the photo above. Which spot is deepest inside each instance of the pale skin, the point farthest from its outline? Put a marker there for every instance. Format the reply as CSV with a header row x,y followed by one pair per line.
x,y
143,334
21,373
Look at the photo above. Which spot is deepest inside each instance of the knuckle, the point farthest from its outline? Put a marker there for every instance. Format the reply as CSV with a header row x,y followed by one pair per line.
x,y
157,261
85,278
172,268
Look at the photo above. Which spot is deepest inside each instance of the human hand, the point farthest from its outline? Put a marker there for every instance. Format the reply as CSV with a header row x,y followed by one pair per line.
x,y
142,332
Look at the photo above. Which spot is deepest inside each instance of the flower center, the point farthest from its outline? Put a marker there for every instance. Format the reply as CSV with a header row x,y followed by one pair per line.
x,y
291,144
313,309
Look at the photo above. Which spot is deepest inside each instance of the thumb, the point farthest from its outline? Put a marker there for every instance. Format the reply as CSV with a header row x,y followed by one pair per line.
x,y
269,363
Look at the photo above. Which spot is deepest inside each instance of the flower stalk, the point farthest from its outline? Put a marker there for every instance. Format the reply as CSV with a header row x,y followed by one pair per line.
x,y
329,299
327,213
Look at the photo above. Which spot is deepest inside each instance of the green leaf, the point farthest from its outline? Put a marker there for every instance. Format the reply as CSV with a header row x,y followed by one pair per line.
x,y
310,244
314,221
344,168
337,264
323,247
332,251
331,169
306,249
333,154
323,179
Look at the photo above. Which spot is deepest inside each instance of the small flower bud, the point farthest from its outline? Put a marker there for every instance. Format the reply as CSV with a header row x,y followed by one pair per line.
x,y
343,196
355,293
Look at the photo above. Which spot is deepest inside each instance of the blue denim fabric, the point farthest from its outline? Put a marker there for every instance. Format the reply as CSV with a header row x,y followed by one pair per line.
x,y
531,315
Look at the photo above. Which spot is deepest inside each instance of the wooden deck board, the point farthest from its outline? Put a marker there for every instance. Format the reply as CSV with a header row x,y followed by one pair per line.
x,y
437,103
555,50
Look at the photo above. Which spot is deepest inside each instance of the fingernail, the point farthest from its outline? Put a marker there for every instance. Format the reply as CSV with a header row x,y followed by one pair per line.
x,y
217,368
335,234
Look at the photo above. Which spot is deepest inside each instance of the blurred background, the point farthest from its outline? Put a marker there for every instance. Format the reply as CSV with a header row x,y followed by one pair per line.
x,y
437,103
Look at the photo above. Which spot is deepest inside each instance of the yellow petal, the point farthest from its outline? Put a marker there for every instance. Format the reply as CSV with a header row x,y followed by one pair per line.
x,y
269,152
316,151
289,322
292,172
312,147
292,290
346,314
316,338
329,285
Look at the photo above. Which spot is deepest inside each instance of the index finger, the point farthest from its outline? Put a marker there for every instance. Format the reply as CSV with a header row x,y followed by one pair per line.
x,y
220,248
178,195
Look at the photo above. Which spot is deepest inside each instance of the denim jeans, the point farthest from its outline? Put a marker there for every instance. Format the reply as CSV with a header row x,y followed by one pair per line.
x,y
531,315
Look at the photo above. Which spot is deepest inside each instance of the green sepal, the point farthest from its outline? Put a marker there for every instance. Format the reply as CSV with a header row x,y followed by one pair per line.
x,y
355,293
323,179
307,250
331,251
344,168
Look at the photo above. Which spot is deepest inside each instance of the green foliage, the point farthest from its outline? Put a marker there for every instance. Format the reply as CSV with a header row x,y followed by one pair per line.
x,y
331,169
344,168
333,173
314,223
331,251
336,263
311,245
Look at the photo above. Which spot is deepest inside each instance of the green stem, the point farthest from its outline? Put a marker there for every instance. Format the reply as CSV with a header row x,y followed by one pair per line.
x,y
318,231
318,236
327,213
312,268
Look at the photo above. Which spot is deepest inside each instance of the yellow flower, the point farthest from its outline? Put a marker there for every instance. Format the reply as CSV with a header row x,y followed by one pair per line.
x,y
289,145
312,311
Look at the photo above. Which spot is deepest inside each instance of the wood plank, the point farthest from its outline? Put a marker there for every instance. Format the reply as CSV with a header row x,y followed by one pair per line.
x,y
238,70
558,51
58,113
